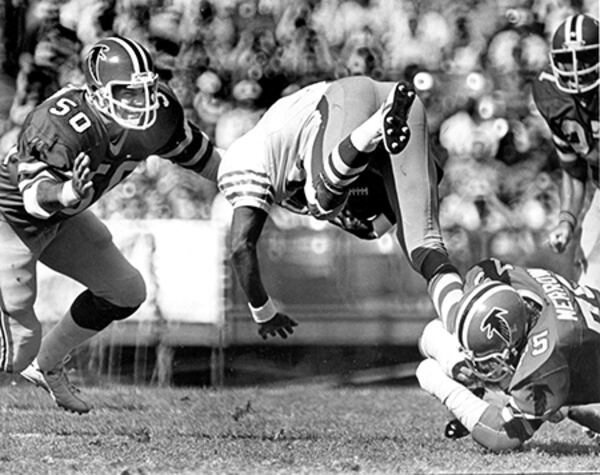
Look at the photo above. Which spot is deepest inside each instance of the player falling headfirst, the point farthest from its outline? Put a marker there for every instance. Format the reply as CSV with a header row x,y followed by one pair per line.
x,y
526,332
567,98
307,153
72,149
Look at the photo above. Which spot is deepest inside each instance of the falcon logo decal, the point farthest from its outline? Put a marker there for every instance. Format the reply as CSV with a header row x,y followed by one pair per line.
x,y
97,52
495,323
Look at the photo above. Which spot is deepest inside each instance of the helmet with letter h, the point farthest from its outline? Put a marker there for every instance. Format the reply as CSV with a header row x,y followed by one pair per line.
x,y
121,82
574,54
491,327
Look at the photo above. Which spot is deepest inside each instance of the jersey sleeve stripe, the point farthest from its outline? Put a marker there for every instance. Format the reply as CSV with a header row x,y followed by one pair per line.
x,y
31,203
199,155
250,198
257,175
31,168
246,180
181,146
25,183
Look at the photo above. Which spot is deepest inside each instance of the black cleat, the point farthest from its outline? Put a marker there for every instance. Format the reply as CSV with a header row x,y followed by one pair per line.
x,y
455,430
396,132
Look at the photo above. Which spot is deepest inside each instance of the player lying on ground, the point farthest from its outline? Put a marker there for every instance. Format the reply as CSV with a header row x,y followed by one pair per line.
x,y
306,154
567,98
72,149
526,332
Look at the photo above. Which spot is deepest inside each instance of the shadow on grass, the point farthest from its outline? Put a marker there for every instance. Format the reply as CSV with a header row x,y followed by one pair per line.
x,y
564,448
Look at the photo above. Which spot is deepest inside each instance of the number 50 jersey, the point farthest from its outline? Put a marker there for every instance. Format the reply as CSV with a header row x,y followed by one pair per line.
x,y
65,125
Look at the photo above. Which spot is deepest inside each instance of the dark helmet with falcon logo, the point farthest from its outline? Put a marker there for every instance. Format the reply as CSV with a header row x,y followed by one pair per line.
x,y
121,82
491,327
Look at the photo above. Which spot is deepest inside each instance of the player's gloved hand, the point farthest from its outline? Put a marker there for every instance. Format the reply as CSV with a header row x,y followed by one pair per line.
x,y
560,236
361,228
80,185
81,178
280,324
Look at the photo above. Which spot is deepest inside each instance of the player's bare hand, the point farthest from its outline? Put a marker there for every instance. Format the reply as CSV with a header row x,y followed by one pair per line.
x,y
280,324
560,236
82,182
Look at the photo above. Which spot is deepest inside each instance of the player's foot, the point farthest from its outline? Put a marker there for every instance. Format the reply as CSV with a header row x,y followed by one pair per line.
x,y
455,430
57,384
396,132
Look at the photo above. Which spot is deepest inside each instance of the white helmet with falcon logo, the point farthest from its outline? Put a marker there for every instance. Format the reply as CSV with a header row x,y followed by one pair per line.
x,y
492,323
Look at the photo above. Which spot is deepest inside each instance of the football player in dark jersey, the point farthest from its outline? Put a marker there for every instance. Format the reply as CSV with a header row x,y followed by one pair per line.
x,y
567,98
72,149
528,333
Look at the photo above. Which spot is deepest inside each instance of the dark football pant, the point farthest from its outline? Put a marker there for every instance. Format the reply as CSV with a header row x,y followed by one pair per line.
x,y
81,248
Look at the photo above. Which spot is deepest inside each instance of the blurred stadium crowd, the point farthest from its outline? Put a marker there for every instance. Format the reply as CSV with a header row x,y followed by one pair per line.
x,y
228,60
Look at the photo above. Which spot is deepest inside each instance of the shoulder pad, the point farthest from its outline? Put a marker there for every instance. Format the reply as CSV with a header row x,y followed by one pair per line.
x,y
549,100
58,129
541,349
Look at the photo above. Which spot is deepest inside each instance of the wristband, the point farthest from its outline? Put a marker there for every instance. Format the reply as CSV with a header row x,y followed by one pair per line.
x,y
68,196
568,217
264,313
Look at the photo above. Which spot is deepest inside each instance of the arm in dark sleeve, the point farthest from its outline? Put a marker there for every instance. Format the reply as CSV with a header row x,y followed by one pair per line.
x,y
246,227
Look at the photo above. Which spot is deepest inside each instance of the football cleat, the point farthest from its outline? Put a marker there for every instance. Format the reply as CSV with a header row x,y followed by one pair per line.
x,y
455,430
396,132
57,384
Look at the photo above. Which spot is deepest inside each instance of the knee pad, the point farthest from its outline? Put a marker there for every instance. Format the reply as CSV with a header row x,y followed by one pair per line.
x,y
95,313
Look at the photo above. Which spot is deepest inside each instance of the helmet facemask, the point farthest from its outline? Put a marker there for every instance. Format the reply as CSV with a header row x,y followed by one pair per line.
x,y
576,69
131,104
493,368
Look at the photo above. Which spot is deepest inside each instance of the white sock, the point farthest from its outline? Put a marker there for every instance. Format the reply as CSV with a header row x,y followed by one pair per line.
x,y
368,134
60,340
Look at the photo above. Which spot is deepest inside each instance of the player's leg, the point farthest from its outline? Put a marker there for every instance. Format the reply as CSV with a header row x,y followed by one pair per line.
x,y
350,130
411,179
590,245
83,250
20,330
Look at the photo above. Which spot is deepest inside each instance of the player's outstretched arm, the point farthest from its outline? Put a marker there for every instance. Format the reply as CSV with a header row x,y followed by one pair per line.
x,y
246,227
485,421
44,194
572,193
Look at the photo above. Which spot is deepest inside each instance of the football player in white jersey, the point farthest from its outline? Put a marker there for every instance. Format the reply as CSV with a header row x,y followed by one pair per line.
x,y
72,149
309,150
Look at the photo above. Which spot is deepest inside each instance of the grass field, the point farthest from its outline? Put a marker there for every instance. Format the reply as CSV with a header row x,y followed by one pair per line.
x,y
287,429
